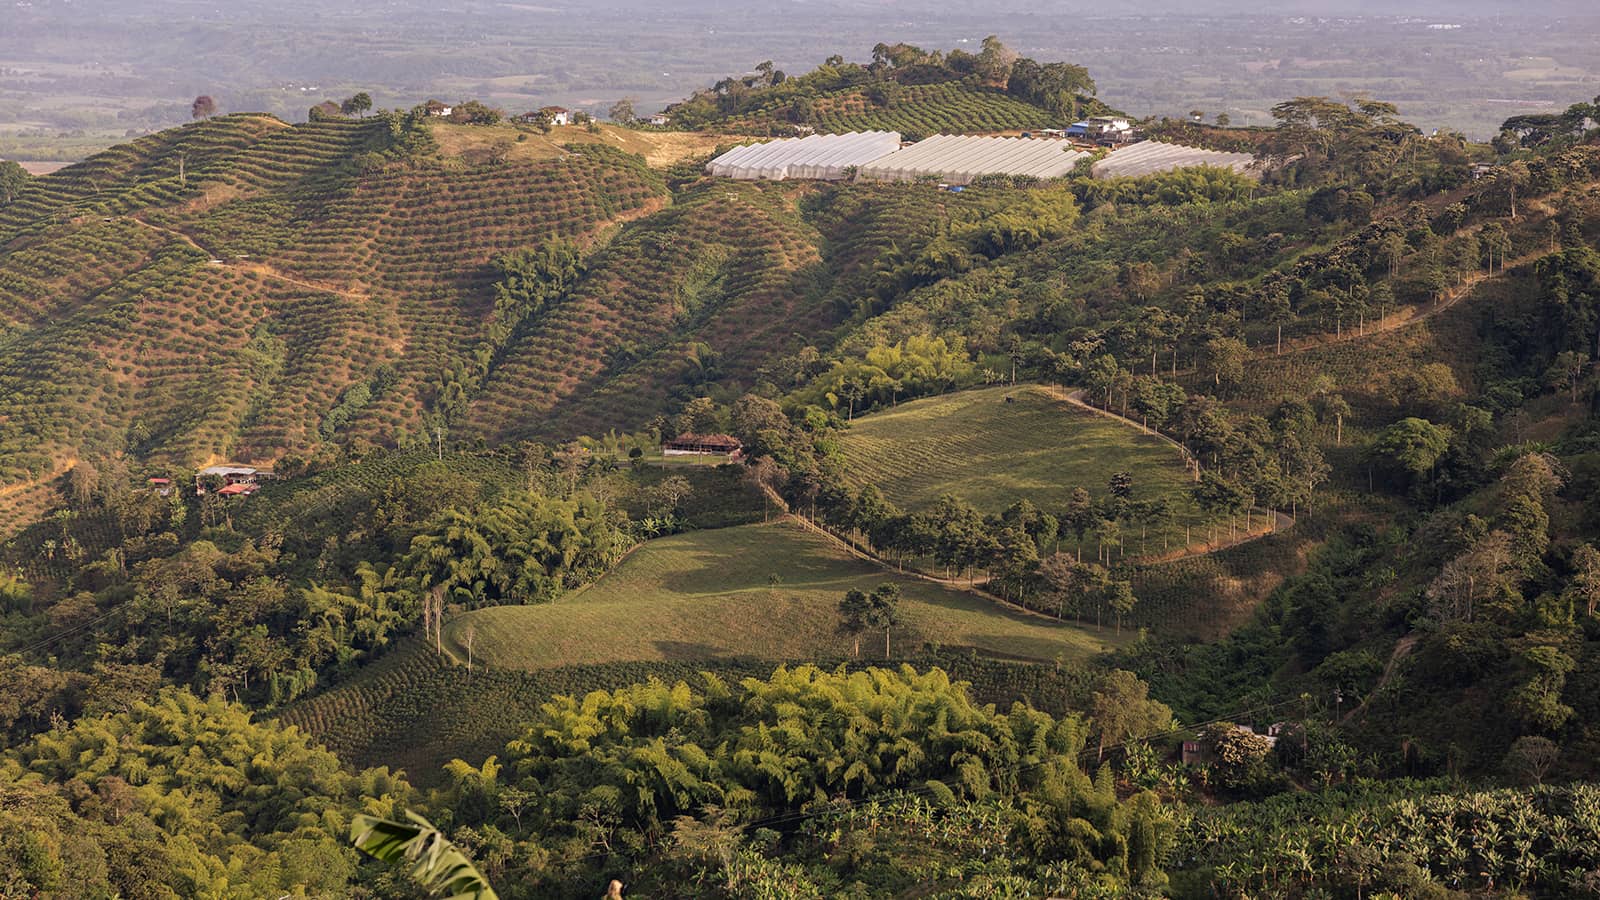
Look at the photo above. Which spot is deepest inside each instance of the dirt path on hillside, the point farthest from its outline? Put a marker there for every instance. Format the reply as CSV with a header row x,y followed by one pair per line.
x,y
1402,649
173,232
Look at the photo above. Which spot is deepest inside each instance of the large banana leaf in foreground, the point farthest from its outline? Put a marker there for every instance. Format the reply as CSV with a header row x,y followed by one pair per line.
x,y
434,861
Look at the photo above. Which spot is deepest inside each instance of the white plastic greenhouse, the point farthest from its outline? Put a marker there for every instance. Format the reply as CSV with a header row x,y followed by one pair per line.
x,y
958,159
821,156
1150,157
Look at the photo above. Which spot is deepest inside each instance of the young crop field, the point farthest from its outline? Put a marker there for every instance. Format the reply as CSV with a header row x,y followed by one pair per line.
x,y
995,446
765,591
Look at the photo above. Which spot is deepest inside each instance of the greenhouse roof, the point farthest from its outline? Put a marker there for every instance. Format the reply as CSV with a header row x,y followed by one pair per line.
x,y
1150,157
823,156
958,159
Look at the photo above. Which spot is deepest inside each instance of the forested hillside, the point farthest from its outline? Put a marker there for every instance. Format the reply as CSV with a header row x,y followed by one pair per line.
x,y
1042,491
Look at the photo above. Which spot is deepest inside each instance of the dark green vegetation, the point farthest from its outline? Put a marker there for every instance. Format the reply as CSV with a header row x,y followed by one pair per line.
x,y
750,752
474,565
181,798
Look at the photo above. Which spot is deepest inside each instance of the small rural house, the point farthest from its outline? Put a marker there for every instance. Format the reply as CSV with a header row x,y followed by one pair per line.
x,y
437,109
660,120
1194,753
246,478
1102,130
703,445
161,486
558,115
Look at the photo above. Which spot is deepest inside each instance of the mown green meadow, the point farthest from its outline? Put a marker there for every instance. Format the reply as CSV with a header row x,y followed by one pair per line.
x,y
766,591
989,452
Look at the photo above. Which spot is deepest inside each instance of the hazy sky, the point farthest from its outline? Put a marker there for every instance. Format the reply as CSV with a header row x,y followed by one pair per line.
x,y
115,67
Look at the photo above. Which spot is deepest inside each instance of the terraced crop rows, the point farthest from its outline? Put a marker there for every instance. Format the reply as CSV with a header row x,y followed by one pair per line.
x,y
133,174
717,268
67,262
914,110
432,248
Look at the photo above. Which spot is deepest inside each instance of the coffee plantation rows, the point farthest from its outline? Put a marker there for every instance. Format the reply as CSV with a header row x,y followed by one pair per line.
x,y
1205,597
726,258
38,281
244,291
915,110
128,169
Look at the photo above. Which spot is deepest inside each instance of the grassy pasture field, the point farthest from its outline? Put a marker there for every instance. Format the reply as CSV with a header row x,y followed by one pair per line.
x,y
991,453
707,595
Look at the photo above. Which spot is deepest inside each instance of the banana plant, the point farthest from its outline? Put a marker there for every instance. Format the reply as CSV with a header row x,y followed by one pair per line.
x,y
434,861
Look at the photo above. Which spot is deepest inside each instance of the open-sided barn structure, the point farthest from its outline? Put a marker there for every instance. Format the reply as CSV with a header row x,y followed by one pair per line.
x,y
702,445
822,156
1150,157
958,159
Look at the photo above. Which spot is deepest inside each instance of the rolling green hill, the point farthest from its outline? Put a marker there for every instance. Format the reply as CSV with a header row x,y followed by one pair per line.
x,y
994,446
228,310
244,289
712,594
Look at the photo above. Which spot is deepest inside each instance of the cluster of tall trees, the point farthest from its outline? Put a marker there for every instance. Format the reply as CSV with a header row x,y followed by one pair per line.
x,y
1065,89
715,783
525,548
887,373
174,796
170,589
